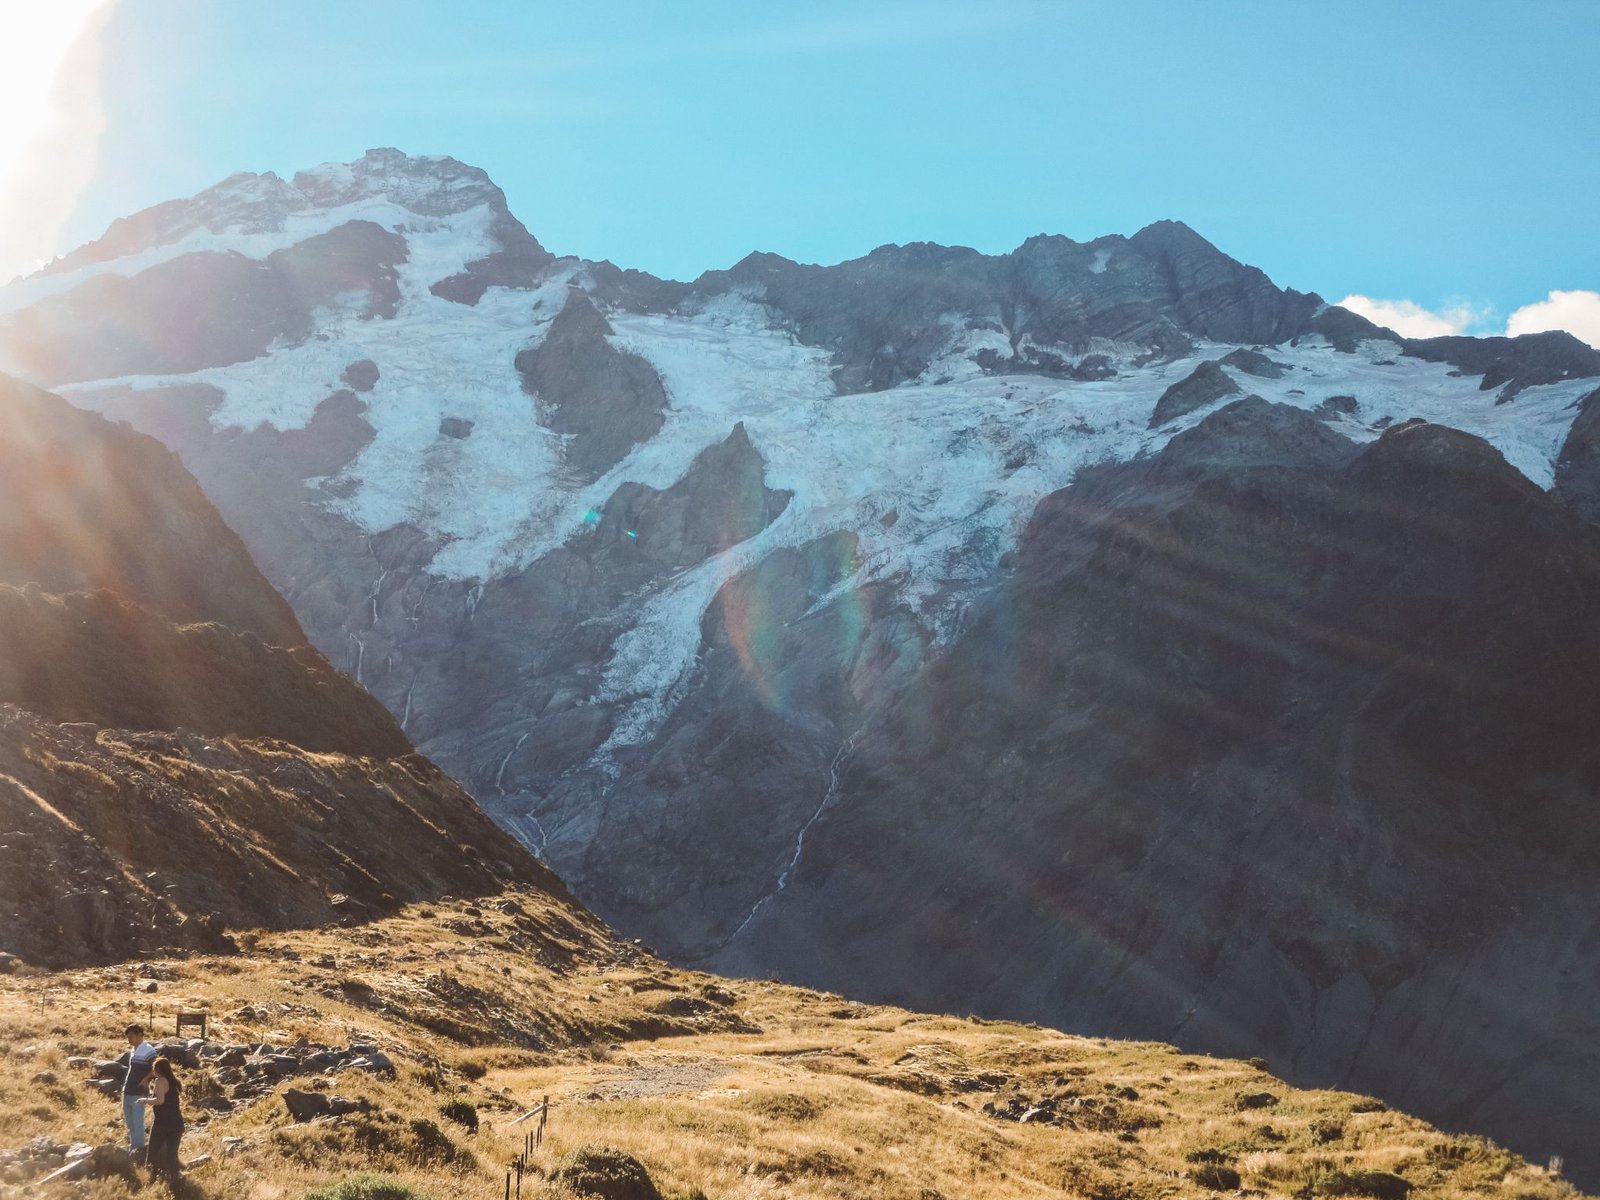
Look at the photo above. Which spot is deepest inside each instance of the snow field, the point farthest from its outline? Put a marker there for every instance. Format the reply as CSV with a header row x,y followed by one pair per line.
x,y
959,458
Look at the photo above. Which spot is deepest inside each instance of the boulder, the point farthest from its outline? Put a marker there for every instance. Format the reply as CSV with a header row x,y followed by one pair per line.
x,y
305,1106
377,1061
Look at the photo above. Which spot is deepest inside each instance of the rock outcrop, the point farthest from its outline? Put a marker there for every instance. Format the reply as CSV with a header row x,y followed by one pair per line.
x,y
1205,385
606,400
1578,467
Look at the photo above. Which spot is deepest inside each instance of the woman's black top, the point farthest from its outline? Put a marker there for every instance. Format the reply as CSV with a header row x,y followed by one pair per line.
x,y
168,1113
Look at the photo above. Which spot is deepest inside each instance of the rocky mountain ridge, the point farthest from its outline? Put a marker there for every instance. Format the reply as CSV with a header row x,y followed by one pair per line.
x,y
175,759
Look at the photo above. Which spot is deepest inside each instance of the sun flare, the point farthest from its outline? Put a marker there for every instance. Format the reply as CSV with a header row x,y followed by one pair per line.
x,y
50,95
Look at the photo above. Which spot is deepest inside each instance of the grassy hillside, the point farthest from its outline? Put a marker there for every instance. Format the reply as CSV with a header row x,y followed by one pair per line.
x,y
719,1088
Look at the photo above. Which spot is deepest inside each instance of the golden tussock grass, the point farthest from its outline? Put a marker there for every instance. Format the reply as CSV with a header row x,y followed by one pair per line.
x,y
721,1088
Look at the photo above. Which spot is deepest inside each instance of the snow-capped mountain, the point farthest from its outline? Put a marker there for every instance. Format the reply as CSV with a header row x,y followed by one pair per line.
x,y
690,583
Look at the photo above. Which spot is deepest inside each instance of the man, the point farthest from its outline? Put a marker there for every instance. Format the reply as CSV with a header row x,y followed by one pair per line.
x,y
141,1056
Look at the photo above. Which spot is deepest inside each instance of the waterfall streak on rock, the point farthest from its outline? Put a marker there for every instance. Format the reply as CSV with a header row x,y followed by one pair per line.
x,y
829,797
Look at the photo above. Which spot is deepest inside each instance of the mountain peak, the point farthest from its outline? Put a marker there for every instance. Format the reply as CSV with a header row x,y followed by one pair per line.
x,y
426,184
249,203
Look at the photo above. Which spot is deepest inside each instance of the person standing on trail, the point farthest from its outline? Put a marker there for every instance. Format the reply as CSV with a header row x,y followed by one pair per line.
x,y
141,1057
168,1128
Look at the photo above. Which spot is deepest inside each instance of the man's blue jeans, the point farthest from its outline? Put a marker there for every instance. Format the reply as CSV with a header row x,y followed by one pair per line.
x,y
133,1114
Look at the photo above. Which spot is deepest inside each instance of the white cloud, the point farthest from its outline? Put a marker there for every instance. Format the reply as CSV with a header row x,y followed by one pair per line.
x,y
1410,319
1576,312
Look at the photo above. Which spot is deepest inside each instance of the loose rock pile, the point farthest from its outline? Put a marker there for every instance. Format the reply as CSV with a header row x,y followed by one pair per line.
x,y
243,1072
1062,1104
44,1159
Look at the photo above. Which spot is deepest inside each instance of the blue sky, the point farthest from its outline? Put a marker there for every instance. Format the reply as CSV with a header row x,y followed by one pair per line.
x,y
1444,153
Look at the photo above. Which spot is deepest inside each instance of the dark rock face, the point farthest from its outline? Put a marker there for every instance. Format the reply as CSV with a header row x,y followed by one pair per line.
x,y
1345,330
518,262
1217,297
888,315
783,683
1204,385
1578,467
361,375
606,399
1512,363
505,674
720,502
1509,363
1309,752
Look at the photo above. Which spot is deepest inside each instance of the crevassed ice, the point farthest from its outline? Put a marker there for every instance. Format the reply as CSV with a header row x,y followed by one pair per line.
x,y
961,458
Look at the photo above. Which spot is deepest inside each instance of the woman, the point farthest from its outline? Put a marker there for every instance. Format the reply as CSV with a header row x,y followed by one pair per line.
x,y
168,1126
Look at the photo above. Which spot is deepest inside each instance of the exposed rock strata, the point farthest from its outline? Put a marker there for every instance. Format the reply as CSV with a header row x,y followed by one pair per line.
x,y
117,843
1309,765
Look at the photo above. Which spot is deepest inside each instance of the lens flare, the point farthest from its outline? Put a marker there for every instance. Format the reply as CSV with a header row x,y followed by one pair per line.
x,y
50,92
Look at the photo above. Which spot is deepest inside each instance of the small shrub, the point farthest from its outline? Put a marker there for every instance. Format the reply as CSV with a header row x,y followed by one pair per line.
x,y
431,1078
786,1106
1216,1177
473,1068
606,1174
1380,1185
388,1140
1368,1104
463,1113
1255,1100
366,1187
1259,1064
1208,1154
1476,1157
1323,1132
